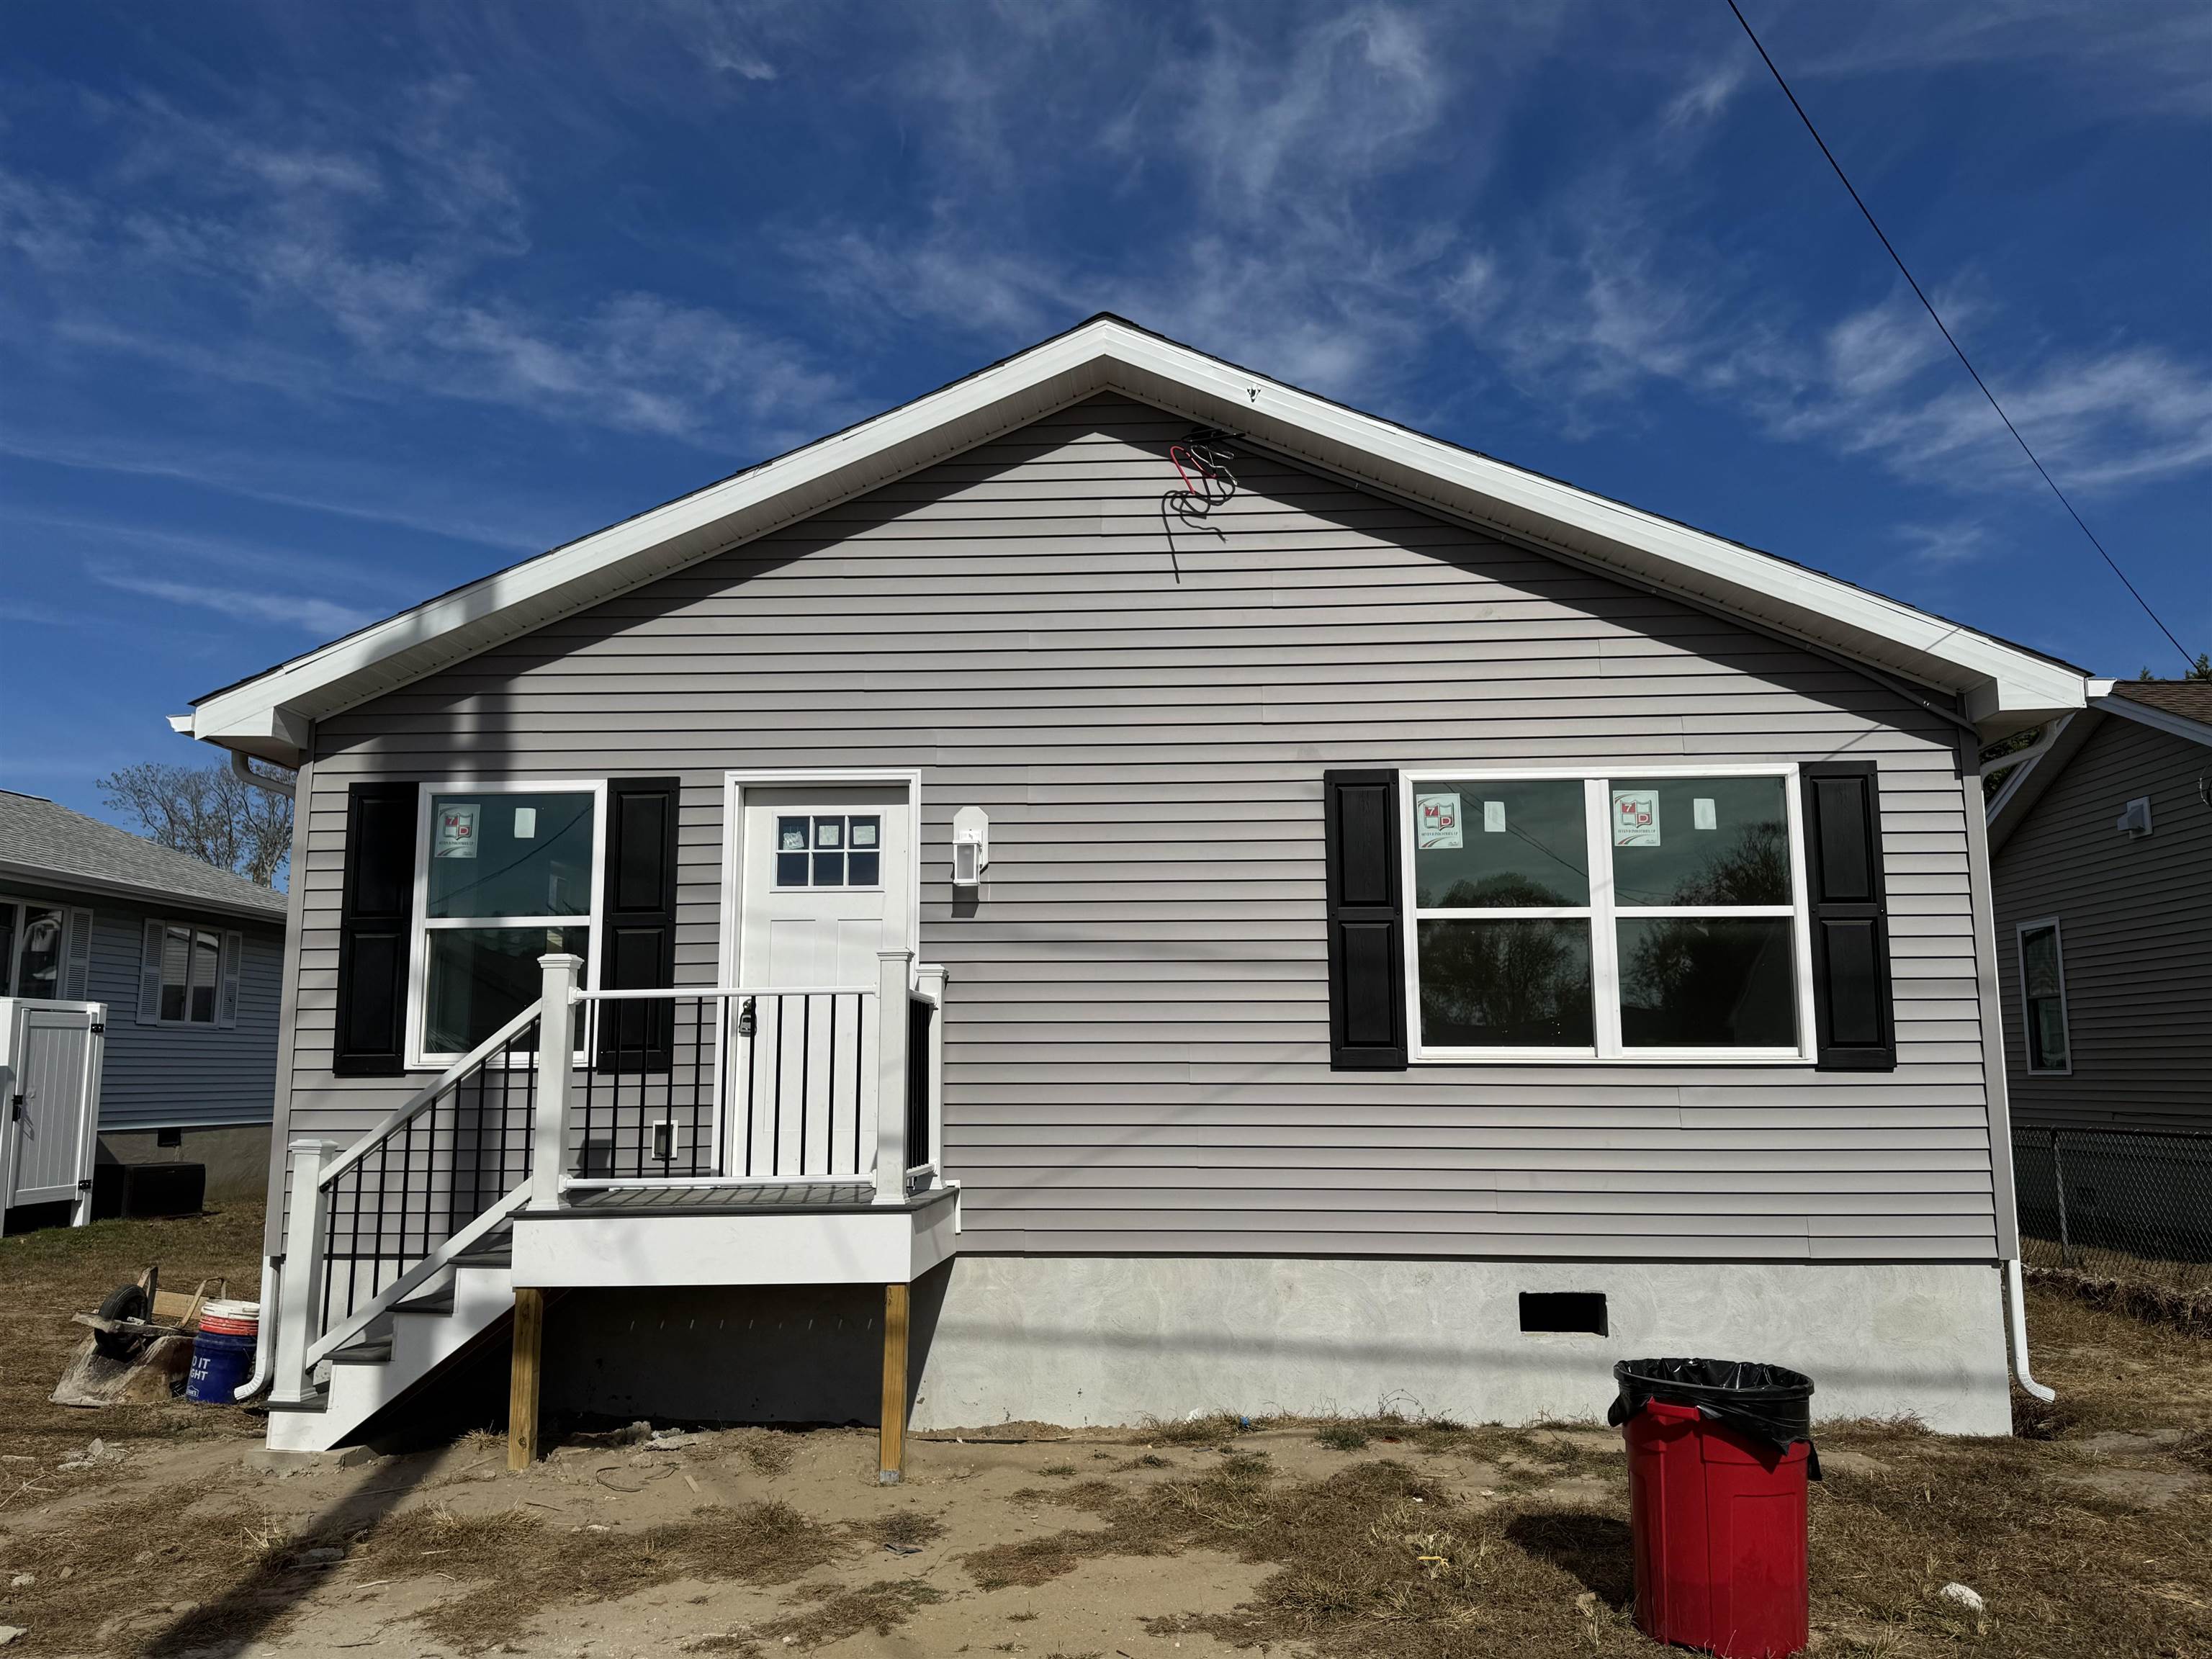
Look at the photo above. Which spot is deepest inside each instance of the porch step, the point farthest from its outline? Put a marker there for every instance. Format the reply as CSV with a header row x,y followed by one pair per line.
x,y
397,1354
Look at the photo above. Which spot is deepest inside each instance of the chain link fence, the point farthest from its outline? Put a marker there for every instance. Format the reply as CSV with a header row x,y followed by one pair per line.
x,y
2116,1203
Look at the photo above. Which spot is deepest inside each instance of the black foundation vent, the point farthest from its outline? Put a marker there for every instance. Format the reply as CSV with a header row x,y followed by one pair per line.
x,y
1580,1312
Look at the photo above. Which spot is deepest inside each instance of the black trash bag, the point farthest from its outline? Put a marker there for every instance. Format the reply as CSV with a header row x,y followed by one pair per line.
x,y
1770,1404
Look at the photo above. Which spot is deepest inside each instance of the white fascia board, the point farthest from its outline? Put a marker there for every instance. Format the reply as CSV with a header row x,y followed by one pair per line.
x,y
2004,687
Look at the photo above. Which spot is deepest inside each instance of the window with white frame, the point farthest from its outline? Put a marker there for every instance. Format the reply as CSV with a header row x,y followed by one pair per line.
x,y
2043,998
504,875
1649,915
188,974
32,949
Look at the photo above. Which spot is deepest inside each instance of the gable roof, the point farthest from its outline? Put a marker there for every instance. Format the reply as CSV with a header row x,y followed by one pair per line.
x,y
2191,699
2004,686
53,847
2180,708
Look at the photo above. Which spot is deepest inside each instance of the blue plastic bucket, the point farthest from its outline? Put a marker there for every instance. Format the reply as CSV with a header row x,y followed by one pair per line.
x,y
222,1361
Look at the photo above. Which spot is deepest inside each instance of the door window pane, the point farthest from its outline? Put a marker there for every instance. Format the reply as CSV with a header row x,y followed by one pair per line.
x,y
511,855
1483,843
1690,982
1506,984
7,914
791,838
39,971
482,977
2046,1007
864,863
1698,840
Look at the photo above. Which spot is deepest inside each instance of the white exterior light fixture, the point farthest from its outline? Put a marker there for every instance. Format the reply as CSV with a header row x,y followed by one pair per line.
x,y
2134,817
972,846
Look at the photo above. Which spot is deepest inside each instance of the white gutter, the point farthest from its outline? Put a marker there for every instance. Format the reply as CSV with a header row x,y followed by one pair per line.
x,y
262,780
265,1350
2013,1295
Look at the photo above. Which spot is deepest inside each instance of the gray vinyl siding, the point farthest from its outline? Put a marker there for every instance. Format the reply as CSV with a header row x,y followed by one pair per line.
x,y
2135,925
1137,1045
160,1077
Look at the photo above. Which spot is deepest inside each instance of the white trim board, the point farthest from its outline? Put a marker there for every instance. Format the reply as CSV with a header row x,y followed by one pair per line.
x,y
2004,687
734,784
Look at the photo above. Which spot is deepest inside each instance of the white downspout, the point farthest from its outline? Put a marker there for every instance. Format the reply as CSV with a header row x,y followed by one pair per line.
x,y
2013,1295
264,1349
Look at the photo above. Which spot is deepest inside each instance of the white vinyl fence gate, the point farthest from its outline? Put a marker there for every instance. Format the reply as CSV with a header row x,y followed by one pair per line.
x,y
50,1063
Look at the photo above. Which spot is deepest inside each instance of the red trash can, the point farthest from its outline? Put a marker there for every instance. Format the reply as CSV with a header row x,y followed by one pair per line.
x,y
1718,1512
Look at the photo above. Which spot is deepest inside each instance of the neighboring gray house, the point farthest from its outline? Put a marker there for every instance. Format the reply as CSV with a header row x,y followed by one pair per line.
x,y
188,959
1413,930
2101,848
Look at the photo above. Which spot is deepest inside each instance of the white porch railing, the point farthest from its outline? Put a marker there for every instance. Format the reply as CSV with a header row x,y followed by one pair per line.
x,y
585,1092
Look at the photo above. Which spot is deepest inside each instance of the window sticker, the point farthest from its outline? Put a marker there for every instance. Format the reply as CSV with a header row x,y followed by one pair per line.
x,y
1703,816
1438,816
1636,817
829,832
791,835
864,833
526,824
457,830
1494,818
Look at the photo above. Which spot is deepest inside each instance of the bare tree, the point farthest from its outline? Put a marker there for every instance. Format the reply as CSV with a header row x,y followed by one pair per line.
x,y
210,812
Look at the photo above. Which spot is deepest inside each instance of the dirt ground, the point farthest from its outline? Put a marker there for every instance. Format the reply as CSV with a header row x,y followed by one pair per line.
x,y
2090,1535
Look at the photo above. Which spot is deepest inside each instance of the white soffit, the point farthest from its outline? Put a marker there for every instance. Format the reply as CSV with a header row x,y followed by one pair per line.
x,y
2004,686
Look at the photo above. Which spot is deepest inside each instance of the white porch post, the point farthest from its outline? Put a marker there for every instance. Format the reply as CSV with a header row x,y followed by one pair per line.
x,y
303,1272
557,1048
891,974
929,980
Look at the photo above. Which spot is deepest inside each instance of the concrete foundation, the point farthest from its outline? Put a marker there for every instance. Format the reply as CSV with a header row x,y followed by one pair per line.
x,y
236,1155
1116,1340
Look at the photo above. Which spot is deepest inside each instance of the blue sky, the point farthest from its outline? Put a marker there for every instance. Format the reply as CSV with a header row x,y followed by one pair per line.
x,y
307,312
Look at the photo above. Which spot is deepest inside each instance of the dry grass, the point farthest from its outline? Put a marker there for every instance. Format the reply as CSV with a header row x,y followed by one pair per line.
x,y
2094,1542
59,1271
1210,1429
512,1566
2158,1293
882,1607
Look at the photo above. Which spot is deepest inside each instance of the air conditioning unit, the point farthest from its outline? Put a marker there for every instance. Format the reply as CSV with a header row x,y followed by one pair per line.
x,y
2134,817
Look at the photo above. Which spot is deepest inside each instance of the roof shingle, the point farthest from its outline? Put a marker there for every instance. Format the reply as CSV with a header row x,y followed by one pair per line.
x,y
2190,699
43,842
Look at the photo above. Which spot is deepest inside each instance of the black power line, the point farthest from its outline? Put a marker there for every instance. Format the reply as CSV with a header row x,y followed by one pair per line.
x,y
1949,340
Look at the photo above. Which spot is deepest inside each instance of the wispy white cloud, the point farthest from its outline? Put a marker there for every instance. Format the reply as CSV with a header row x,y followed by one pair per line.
x,y
343,255
322,617
1942,545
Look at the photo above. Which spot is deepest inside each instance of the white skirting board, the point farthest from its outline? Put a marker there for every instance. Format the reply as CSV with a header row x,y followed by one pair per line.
x,y
1116,1340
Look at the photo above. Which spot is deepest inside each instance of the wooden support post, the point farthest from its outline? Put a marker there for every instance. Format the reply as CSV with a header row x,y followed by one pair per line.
x,y
522,1382
890,1463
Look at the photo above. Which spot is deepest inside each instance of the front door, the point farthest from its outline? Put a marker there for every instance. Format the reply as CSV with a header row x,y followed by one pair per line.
x,y
824,882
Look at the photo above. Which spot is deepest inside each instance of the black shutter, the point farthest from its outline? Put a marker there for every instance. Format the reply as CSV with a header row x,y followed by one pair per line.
x,y
1853,1015
379,901
1366,947
639,950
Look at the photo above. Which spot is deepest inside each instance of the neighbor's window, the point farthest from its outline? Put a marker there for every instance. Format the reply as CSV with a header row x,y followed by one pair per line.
x,y
506,877
1625,916
31,949
2042,991
829,850
188,974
